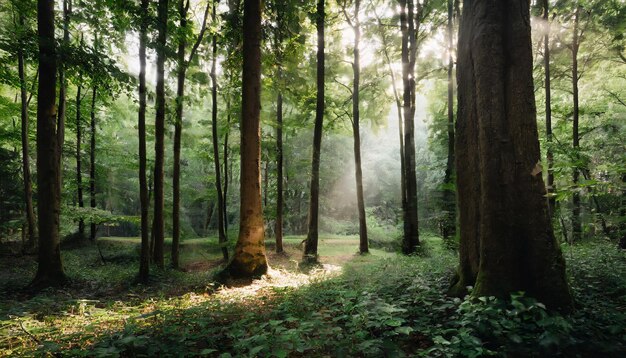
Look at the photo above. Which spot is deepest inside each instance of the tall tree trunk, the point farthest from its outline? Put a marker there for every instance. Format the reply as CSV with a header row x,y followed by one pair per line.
x,y
178,126
449,199
409,49
216,153
159,135
356,114
551,188
249,259
144,262
279,169
226,176
50,267
92,160
576,222
60,131
28,188
265,180
79,175
310,246
622,240
507,243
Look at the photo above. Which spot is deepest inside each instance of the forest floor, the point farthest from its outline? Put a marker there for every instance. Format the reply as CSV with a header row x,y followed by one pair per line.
x,y
380,304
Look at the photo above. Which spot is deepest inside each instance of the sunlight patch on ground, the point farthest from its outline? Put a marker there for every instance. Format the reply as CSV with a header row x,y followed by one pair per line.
x,y
275,281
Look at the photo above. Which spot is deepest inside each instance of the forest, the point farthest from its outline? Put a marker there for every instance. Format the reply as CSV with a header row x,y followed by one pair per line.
x,y
313,178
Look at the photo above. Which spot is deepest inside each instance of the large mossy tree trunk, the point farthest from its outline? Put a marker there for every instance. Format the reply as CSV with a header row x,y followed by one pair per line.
x,y
159,135
507,244
310,246
144,262
249,259
50,267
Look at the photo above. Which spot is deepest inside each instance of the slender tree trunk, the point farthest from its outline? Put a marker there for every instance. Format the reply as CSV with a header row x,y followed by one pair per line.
x,y
216,154
356,69
249,259
144,262
279,170
507,243
60,131
50,267
92,159
411,233
159,135
622,241
449,199
180,94
28,189
310,247
576,222
79,175
549,155
226,176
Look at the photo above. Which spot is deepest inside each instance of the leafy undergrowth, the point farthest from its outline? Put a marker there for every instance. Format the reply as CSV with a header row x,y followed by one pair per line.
x,y
373,306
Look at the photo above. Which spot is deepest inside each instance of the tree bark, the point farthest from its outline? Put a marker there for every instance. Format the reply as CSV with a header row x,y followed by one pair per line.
x,y
79,175
144,262
249,259
92,160
622,227
507,243
279,171
60,131
159,135
50,267
216,153
226,176
410,241
180,94
551,187
449,198
28,188
356,117
576,222
310,246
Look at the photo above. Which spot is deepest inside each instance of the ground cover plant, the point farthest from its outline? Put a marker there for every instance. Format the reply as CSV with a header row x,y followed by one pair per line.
x,y
372,305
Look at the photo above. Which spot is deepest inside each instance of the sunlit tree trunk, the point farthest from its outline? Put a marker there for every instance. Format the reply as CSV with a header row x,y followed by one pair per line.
x,y
50,268
507,243
356,117
249,259
144,263
159,134
310,247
